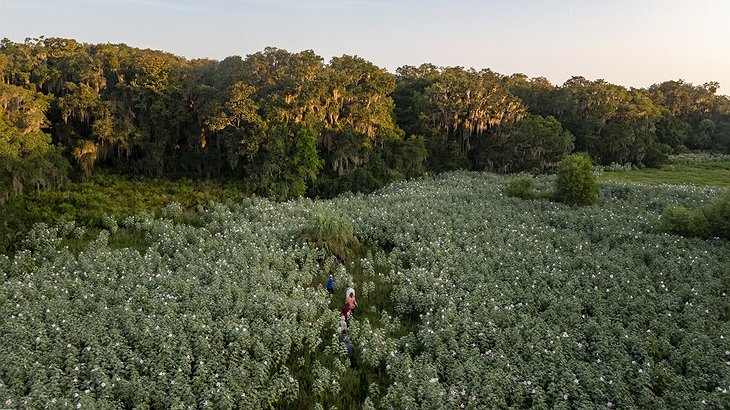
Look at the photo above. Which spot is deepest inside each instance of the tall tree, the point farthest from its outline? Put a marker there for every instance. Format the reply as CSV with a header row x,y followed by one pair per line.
x,y
235,124
609,122
538,94
696,106
534,144
27,157
467,103
410,101
453,108
287,84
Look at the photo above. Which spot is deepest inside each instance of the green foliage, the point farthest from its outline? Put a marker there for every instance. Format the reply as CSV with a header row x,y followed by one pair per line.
x,y
361,170
575,183
656,155
709,221
105,199
263,120
145,112
286,161
672,131
538,94
453,108
533,144
610,122
330,232
714,171
306,163
445,156
521,187
677,219
549,306
406,156
27,156
694,116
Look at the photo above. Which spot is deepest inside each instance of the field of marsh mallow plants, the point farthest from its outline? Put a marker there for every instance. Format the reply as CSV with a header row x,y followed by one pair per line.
x,y
468,298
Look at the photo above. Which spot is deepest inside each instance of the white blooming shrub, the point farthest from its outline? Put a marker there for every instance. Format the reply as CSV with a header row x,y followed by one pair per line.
x,y
173,210
692,158
141,221
469,299
109,223
43,238
534,304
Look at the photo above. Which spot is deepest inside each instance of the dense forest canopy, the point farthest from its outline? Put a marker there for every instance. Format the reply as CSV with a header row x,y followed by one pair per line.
x,y
289,124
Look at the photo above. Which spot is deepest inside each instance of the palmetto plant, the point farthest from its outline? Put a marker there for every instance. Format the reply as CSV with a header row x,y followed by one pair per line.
x,y
330,232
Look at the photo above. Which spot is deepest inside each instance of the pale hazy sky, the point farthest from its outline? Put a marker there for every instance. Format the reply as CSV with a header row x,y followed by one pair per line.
x,y
632,43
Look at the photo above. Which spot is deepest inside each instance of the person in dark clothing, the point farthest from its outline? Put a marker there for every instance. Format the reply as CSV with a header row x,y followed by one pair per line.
x,y
345,340
330,285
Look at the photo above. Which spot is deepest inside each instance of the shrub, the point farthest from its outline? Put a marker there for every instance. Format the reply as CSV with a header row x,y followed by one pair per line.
x,y
521,187
42,238
575,183
173,210
656,155
709,221
717,214
676,219
109,222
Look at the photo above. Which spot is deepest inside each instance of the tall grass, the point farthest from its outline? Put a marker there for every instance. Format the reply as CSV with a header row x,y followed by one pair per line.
x,y
105,195
702,173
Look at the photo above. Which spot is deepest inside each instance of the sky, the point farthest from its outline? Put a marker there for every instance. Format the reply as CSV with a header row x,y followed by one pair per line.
x,y
632,43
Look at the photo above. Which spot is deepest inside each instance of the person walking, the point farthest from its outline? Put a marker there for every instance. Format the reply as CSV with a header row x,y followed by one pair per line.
x,y
351,300
349,290
346,312
347,342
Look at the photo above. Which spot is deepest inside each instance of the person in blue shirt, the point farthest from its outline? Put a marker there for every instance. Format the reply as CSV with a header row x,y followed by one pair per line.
x,y
330,285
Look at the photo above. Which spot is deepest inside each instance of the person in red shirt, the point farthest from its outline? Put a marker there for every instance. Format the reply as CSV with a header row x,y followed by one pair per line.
x,y
351,300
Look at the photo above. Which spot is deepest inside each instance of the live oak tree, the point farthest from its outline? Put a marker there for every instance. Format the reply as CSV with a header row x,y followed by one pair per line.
x,y
538,94
152,113
288,85
609,122
358,112
468,103
696,110
454,108
236,123
534,144
28,159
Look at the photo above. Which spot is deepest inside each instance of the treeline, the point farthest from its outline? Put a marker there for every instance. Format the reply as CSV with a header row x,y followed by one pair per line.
x,y
289,124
